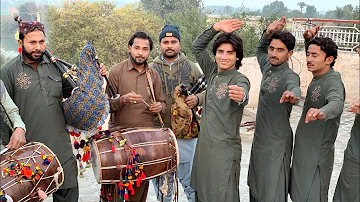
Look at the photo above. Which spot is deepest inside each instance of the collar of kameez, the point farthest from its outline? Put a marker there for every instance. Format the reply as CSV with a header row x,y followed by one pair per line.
x,y
44,60
227,72
325,74
130,65
279,67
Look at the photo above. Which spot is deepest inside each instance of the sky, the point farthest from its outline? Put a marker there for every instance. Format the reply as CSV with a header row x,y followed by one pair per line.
x,y
291,4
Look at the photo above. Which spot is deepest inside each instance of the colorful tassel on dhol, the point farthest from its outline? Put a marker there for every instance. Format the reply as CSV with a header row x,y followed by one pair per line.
x,y
112,149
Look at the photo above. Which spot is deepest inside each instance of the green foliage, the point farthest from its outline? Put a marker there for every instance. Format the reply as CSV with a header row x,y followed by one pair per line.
x,y
311,12
275,7
191,23
164,7
301,5
107,27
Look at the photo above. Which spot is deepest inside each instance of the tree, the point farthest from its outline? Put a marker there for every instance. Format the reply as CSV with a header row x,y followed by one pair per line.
x,y
107,27
227,10
301,5
163,7
275,7
28,10
311,12
295,14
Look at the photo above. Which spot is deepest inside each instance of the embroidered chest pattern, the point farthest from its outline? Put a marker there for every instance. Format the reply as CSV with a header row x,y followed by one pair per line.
x,y
23,81
273,85
221,90
315,93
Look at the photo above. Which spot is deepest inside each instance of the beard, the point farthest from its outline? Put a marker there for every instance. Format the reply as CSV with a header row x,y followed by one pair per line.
x,y
29,55
136,62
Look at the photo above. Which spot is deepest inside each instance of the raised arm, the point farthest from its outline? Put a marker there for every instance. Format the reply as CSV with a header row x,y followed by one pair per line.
x,y
261,49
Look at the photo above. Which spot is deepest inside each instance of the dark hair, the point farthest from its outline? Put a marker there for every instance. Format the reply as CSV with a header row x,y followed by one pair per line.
x,y
286,37
141,35
22,35
235,41
327,45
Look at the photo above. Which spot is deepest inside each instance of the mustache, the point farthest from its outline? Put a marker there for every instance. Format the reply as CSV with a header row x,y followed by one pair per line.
x,y
139,57
37,52
170,50
274,58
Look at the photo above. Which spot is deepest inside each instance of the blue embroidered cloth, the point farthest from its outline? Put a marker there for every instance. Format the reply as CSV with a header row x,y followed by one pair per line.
x,y
88,106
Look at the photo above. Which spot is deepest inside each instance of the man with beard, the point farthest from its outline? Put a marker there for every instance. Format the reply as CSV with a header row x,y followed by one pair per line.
x,y
129,80
175,69
313,156
37,88
269,168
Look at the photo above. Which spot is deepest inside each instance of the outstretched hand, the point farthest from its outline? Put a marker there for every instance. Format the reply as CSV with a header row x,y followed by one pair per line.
x,y
276,25
311,33
314,114
289,96
228,25
355,108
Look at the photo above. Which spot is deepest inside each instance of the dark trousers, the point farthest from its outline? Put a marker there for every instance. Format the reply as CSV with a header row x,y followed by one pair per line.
x,y
66,195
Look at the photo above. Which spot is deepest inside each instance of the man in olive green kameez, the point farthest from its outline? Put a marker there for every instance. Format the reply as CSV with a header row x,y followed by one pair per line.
x,y
269,169
348,185
36,87
313,156
216,166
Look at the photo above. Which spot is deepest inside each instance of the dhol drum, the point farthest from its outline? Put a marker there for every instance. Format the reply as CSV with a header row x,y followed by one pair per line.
x,y
30,173
157,149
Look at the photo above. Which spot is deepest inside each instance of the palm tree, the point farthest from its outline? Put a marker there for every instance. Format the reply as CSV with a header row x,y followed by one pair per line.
x,y
302,5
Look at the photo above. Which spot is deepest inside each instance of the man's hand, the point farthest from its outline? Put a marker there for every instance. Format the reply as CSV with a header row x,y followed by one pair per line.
x,y
311,33
313,115
276,25
358,51
103,70
17,139
236,93
355,108
131,98
228,25
192,101
155,107
288,96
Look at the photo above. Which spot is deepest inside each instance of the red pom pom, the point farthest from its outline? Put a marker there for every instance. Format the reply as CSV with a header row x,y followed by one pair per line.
x,y
100,128
138,181
113,149
20,50
86,157
143,176
126,197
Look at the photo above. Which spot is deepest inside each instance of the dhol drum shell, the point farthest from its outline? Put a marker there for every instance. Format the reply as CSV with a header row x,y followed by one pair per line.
x,y
157,148
27,190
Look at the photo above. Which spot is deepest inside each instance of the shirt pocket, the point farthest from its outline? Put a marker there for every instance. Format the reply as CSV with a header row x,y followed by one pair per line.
x,y
54,84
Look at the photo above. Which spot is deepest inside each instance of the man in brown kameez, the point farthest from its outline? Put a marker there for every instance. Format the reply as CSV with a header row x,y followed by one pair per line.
x,y
129,80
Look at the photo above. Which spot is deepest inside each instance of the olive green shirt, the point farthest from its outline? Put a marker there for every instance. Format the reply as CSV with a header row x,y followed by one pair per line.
x,y
38,94
273,138
314,141
218,151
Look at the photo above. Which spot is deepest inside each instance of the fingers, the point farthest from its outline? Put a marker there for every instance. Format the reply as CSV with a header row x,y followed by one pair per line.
x,y
282,19
236,93
355,108
191,101
155,107
314,114
103,70
17,139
